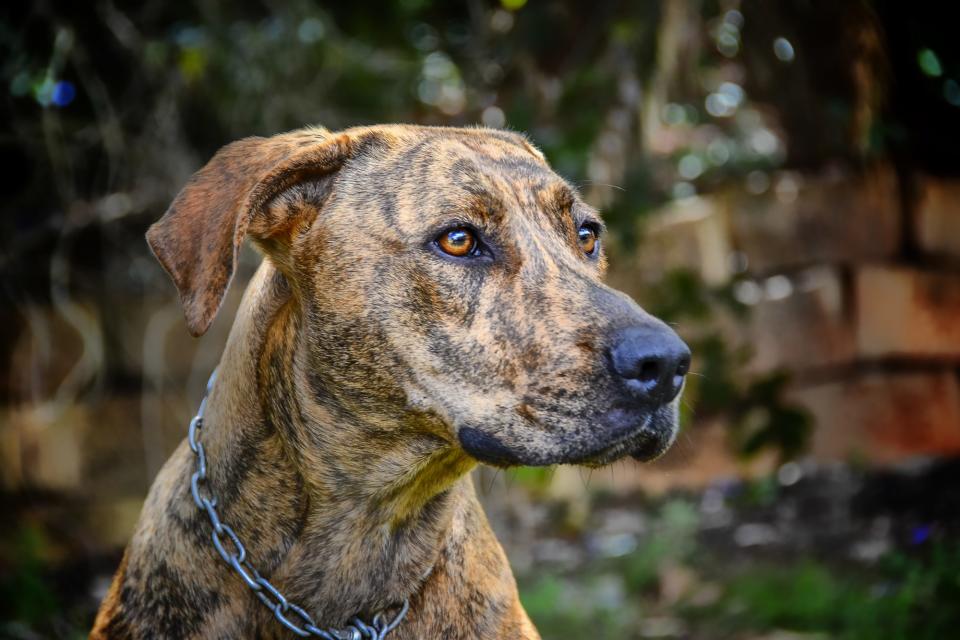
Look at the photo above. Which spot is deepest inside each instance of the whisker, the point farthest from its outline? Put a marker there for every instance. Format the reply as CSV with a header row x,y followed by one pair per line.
x,y
493,478
585,183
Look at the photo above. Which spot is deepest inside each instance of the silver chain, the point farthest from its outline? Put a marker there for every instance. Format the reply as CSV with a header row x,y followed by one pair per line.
x,y
290,615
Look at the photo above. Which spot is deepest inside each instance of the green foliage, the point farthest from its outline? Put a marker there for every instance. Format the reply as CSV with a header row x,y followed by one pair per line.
x,y
536,479
903,597
25,595
806,598
763,420
909,598
607,600
673,540
561,609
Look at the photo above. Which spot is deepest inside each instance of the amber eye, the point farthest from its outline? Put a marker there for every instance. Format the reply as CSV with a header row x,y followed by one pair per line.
x,y
587,236
458,242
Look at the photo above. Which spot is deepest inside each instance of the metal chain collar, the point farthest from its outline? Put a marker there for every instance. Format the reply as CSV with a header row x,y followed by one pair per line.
x,y
289,614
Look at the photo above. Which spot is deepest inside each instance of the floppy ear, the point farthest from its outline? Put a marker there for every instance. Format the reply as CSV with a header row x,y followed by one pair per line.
x,y
197,240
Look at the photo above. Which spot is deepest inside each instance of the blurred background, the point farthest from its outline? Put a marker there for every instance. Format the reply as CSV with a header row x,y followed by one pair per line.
x,y
782,181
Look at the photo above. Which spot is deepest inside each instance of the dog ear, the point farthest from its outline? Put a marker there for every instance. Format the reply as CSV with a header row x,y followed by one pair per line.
x,y
198,239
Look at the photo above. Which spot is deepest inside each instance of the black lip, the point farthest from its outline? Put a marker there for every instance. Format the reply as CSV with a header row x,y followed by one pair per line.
x,y
651,449
639,433
662,430
488,448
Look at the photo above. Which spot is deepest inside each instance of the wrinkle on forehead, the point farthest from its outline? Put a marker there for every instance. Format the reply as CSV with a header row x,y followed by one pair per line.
x,y
502,177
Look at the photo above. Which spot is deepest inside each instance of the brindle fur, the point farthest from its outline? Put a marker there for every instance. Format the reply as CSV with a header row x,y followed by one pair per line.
x,y
360,365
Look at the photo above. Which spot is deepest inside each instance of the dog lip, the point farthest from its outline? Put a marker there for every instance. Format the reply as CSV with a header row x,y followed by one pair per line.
x,y
487,448
625,430
643,435
651,449
662,432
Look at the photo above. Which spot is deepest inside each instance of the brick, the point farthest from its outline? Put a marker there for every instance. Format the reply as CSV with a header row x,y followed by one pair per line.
x,y
937,217
688,234
831,218
884,416
106,449
808,328
42,446
906,312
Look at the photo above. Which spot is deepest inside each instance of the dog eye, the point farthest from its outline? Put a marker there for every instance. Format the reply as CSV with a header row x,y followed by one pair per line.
x,y
459,242
587,237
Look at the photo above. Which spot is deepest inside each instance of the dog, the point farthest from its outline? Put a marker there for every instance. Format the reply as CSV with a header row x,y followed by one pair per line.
x,y
430,299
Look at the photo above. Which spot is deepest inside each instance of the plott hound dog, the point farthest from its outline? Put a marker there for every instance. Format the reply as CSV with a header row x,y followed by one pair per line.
x,y
430,299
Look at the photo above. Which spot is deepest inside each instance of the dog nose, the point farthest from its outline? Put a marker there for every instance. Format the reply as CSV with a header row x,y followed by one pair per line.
x,y
652,361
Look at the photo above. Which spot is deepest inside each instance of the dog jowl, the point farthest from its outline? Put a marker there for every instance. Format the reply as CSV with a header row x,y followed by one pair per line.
x,y
429,298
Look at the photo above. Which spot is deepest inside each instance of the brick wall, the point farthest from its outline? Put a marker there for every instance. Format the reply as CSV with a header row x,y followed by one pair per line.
x,y
852,287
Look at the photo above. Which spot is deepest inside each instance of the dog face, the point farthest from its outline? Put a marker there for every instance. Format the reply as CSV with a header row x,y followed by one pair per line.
x,y
450,282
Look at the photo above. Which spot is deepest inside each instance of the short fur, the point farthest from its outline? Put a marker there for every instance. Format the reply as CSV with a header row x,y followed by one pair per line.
x,y
366,374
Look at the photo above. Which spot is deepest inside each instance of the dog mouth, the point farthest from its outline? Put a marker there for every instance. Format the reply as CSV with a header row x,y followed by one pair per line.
x,y
646,441
643,435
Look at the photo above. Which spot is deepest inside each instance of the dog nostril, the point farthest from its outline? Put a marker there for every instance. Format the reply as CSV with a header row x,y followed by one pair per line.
x,y
680,372
649,371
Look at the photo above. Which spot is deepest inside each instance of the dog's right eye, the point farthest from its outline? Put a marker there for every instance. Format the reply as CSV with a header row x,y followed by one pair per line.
x,y
460,242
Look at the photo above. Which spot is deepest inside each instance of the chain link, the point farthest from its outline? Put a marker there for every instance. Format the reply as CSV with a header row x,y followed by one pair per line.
x,y
231,549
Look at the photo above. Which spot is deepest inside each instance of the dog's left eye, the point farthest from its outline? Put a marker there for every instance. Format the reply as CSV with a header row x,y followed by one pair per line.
x,y
588,238
460,242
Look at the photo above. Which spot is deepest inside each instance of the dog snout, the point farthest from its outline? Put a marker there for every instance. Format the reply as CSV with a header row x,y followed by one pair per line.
x,y
651,360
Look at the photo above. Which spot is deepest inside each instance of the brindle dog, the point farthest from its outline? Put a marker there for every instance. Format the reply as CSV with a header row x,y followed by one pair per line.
x,y
430,298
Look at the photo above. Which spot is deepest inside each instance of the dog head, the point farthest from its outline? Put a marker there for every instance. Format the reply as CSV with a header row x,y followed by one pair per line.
x,y
444,276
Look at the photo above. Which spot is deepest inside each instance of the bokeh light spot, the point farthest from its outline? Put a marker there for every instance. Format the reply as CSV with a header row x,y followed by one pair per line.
x,y
783,49
493,117
43,92
734,18
728,44
747,292
778,287
501,21
683,190
63,93
920,534
951,92
311,30
673,114
929,63
719,151
513,5
690,167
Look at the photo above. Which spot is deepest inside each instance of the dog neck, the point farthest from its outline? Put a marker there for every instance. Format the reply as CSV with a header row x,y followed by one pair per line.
x,y
342,515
